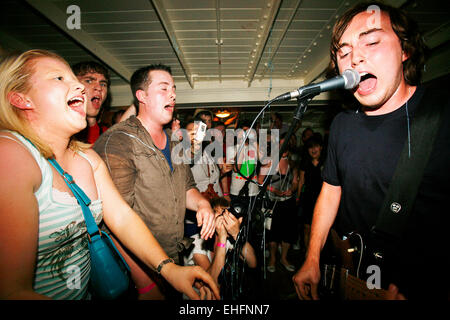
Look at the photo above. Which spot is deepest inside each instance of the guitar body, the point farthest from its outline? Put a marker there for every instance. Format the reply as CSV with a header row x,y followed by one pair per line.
x,y
351,269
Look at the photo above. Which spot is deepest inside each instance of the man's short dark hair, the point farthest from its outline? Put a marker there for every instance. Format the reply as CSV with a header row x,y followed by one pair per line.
x,y
315,140
245,123
206,113
84,67
141,79
404,27
306,130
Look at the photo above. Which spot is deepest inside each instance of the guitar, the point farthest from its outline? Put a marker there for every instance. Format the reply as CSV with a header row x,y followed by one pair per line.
x,y
345,276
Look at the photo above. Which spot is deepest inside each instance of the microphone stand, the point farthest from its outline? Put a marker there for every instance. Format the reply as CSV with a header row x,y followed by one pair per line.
x,y
302,104
235,277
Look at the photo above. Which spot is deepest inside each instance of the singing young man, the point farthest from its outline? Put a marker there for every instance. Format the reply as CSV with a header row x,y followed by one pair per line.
x,y
385,47
138,152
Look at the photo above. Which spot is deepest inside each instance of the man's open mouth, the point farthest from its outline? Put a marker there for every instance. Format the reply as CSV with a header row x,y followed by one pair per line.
x,y
96,102
367,84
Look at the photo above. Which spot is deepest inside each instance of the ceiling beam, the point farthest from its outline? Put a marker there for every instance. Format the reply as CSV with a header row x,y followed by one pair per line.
x,y
280,39
59,18
320,67
10,43
263,31
171,35
219,41
438,36
318,70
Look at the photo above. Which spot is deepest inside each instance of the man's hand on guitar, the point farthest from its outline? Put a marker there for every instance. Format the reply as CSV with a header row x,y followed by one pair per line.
x,y
306,281
393,293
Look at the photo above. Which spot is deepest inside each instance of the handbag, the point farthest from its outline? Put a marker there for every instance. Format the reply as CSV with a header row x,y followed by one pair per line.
x,y
109,271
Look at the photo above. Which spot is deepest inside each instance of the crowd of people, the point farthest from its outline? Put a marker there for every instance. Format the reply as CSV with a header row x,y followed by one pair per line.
x,y
178,196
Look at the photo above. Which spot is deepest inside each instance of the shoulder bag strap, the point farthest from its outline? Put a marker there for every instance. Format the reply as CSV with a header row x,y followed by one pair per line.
x,y
399,200
82,198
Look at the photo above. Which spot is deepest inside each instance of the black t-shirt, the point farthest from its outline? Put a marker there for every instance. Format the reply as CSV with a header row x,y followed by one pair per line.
x,y
362,155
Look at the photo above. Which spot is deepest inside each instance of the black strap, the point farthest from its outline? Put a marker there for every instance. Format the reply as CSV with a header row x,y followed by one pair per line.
x,y
399,200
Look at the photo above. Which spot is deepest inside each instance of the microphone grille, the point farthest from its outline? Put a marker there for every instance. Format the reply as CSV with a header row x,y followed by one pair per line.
x,y
351,77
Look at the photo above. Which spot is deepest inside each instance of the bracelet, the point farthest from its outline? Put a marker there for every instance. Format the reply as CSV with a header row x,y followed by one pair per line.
x,y
226,194
220,244
164,262
147,288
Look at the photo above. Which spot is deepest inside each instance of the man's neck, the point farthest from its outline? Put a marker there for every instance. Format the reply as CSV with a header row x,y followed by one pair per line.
x,y
155,130
399,98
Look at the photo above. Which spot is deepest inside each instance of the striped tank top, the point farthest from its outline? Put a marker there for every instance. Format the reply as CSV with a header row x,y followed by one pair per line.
x,y
63,260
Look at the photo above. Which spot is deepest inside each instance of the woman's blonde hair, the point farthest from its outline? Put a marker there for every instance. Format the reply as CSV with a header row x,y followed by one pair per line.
x,y
15,73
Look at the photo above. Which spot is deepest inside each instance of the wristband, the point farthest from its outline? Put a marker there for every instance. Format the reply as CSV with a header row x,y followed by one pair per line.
x,y
226,194
164,262
220,244
147,288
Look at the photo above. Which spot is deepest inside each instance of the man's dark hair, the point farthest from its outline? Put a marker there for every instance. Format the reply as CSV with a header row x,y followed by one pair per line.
x,y
315,140
404,27
306,130
198,116
244,123
141,79
82,68
219,202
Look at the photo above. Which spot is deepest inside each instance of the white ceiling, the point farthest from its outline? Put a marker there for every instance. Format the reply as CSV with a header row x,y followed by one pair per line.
x,y
220,51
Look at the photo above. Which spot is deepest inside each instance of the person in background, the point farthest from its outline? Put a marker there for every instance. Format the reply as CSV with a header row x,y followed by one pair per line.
x,y
175,126
211,254
219,134
42,228
277,123
96,80
206,175
244,164
310,183
205,116
302,151
281,192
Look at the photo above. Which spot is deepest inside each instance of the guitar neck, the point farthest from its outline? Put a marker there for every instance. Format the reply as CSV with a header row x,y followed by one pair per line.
x,y
353,288
340,278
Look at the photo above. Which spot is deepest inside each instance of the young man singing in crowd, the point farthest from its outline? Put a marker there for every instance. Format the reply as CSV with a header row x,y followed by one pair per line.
x,y
365,145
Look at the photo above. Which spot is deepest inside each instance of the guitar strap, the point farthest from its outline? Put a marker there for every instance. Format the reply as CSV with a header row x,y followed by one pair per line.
x,y
399,200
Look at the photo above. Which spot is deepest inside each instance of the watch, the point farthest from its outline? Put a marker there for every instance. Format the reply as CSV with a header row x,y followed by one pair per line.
x,y
164,262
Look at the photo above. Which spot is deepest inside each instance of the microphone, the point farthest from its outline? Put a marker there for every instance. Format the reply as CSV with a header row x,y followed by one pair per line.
x,y
347,80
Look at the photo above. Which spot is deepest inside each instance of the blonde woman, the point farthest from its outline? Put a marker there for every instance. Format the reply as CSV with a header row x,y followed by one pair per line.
x,y
42,229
